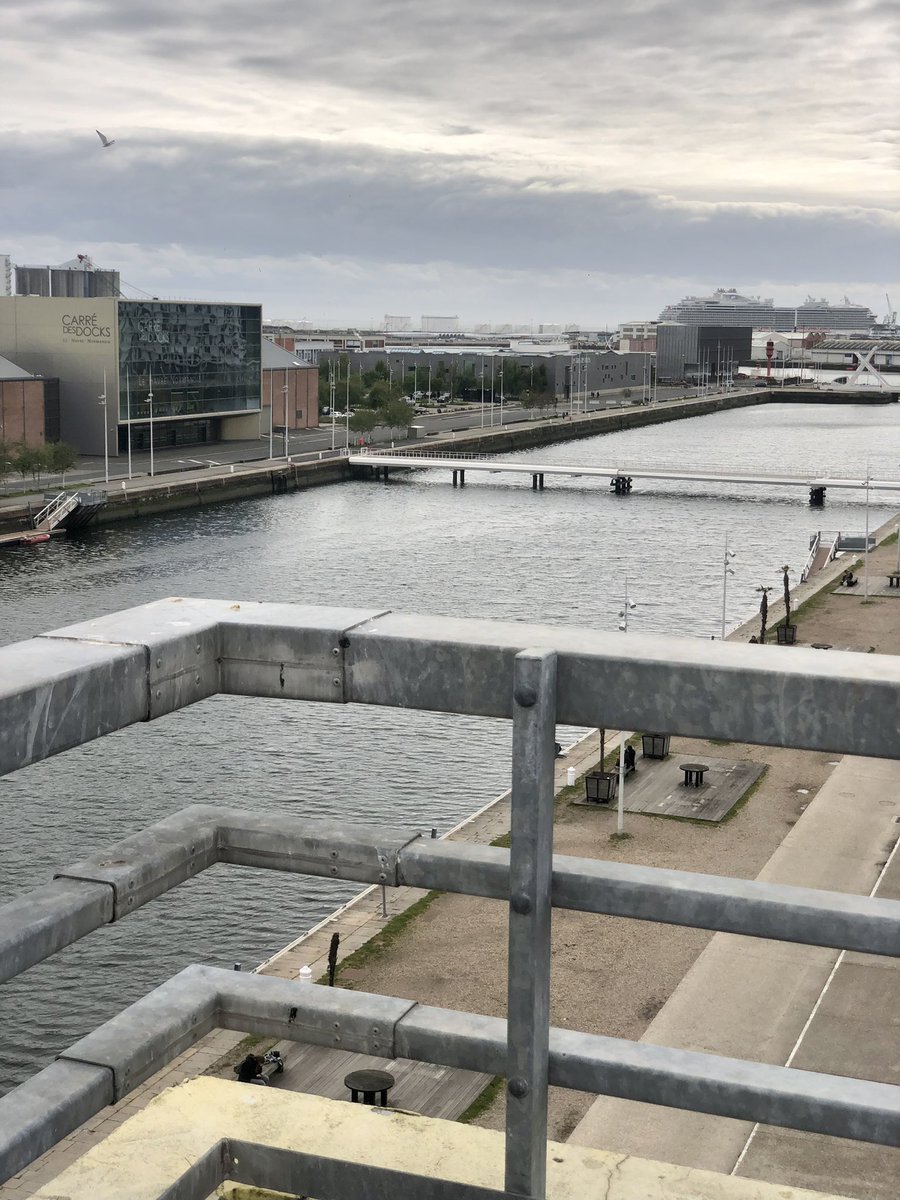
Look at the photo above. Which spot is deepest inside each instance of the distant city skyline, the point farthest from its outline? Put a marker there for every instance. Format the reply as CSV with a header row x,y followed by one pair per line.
x,y
512,163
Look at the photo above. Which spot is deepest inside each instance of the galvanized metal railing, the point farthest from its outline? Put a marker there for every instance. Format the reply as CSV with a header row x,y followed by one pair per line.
x,y
67,687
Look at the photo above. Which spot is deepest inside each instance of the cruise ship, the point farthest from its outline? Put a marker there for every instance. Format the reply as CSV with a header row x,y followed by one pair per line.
x,y
728,307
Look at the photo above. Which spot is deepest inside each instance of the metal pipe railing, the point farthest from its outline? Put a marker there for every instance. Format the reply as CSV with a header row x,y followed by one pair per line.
x,y
101,675
144,866
116,1058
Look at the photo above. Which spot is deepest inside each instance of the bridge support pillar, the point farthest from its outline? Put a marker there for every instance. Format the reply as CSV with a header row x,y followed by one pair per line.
x,y
384,474
455,480
462,479
816,497
621,484
541,481
534,483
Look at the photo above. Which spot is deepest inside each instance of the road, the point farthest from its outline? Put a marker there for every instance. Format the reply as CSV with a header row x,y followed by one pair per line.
x,y
91,468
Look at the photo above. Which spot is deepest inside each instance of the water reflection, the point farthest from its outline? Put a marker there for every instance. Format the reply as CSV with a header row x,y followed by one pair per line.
x,y
493,548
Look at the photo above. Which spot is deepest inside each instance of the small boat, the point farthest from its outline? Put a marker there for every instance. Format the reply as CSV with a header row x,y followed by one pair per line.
x,y
34,539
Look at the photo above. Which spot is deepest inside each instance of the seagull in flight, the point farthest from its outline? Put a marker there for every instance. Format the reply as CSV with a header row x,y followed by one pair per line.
x,y
107,142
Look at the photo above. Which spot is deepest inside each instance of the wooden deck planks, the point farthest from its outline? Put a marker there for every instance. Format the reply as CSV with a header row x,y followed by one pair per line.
x,y
656,788
426,1088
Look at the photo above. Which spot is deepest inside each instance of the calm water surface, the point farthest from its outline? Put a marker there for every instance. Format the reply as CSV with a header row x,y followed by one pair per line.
x,y
493,548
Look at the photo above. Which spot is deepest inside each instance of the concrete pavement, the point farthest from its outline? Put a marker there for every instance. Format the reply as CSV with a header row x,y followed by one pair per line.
x,y
779,1003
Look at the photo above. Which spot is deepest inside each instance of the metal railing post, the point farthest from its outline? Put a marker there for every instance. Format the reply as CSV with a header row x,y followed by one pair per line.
x,y
530,874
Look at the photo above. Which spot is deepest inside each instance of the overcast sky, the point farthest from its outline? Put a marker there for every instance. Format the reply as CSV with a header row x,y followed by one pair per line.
x,y
499,160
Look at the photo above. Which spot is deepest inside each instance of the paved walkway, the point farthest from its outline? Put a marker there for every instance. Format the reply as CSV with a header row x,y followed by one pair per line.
x,y
779,1003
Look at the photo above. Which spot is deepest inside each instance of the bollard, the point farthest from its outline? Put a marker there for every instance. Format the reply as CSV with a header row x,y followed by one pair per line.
x,y
232,468
433,832
237,966
570,776
304,975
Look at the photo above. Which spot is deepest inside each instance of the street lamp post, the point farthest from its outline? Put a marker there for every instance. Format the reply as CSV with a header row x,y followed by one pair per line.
x,y
726,571
128,417
332,393
150,409
284,393
866,559
624,734
102,400
482,391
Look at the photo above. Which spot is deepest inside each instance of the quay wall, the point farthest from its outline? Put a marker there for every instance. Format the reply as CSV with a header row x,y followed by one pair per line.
x,y
176,491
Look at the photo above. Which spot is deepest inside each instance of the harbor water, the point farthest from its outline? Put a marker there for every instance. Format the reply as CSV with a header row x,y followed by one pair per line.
x,y
492,549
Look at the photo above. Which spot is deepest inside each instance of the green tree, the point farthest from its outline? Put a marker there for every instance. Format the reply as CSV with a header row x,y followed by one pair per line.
x,y
364,420
61,457
380,394
786,583
30,460
397,414
6,461
763,612
357,391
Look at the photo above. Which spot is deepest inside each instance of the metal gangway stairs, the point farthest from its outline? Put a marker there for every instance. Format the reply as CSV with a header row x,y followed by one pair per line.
x,y
69,510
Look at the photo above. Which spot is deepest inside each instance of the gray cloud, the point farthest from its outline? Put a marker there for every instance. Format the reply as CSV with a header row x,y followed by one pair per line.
x,y
745,139
268,197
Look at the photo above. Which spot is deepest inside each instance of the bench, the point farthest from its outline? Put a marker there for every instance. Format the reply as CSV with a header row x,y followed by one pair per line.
x,y
894,579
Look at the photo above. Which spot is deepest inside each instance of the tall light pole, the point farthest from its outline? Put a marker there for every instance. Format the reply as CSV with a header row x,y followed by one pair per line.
x,y
332,390
726,571
150,403
482,391
501,393
866,560
271,421
128,417
102,400
492,391
624,734
284,393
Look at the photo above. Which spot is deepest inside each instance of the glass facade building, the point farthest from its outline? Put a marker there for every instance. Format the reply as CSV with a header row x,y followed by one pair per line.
x,y
188,363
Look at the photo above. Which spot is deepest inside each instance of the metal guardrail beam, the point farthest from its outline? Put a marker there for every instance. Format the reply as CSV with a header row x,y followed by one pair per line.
x,y
117,1057
78,683
65,688
139,868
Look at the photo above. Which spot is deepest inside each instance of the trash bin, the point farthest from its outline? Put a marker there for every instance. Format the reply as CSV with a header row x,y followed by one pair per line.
x,y
600,787
655,745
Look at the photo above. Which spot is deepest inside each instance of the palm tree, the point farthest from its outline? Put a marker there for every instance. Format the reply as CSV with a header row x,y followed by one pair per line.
x,y
763,612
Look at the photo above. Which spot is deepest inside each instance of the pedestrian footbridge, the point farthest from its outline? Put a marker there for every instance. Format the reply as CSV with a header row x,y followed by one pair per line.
x,y
620,475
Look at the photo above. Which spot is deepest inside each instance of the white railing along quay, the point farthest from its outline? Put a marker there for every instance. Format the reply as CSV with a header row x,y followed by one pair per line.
x,y
615,470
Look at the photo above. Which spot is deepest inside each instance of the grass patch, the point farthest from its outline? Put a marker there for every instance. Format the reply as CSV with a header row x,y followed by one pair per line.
x,y
483,1102
622,837
378,945
747,796
504,841
719,742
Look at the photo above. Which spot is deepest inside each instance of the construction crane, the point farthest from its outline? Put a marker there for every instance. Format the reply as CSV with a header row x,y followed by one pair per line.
x,y
891,318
